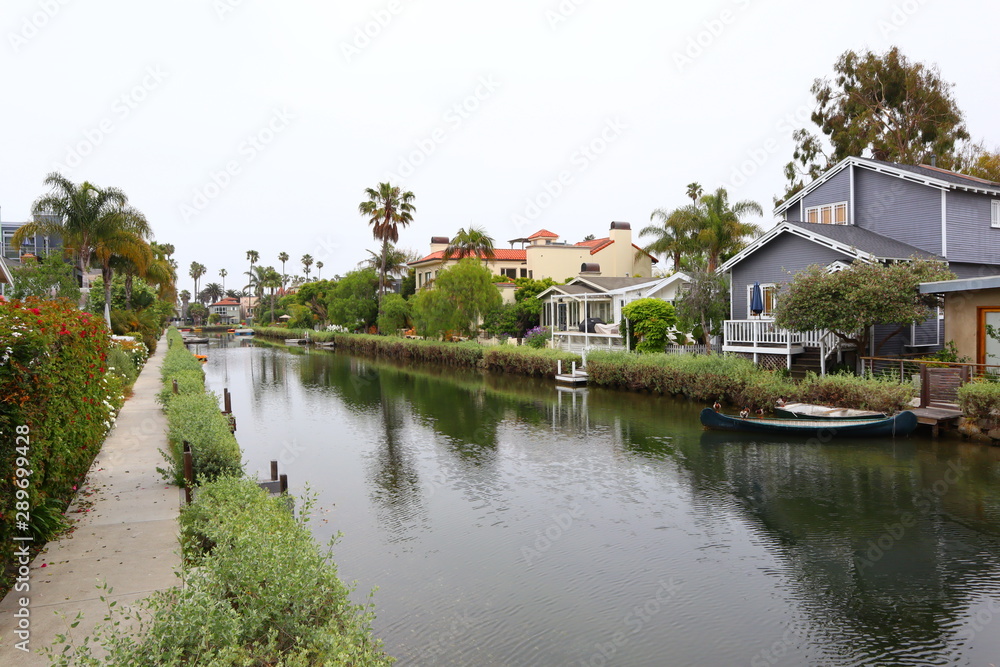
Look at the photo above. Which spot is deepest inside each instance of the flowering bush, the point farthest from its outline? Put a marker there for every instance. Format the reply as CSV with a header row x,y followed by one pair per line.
x,y
55,386
537,337
133,346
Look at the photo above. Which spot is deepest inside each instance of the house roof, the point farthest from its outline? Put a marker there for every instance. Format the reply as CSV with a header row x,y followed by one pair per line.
x,y
5,275
960,285
611,285
501,254
853,241
228,301
924,174
543,234
597,245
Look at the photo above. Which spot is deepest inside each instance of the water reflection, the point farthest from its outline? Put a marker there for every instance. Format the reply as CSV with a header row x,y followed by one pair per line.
x,y
854,552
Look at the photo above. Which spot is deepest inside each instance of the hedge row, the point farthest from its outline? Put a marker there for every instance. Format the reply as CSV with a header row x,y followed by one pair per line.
x,y
258,591
193,416
58,401
738,381
517,360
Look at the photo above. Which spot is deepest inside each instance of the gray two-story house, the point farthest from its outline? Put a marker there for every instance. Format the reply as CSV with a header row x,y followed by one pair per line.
x,y
862,210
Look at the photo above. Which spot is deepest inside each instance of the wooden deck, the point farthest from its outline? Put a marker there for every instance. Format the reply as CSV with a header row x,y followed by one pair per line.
x,y
936,416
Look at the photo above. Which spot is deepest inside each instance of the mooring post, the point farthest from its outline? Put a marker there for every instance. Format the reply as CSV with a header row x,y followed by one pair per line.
x,y
176,390
558,366
227,400
274,471
574,368
188,472
283,483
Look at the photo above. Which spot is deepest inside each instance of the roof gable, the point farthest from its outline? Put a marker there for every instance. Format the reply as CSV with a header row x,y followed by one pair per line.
x,y
543,234
935,177
853,241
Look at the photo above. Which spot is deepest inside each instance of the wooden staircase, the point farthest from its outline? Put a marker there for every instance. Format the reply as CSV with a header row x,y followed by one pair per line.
x,y
808,361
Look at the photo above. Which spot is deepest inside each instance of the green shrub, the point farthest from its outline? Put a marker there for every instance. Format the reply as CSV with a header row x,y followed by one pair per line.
x,y
980,401
862,393
258,591
647,324
196,419
121,363
526,360
188,382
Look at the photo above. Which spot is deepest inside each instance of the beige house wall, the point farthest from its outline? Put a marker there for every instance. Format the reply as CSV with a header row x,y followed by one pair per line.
x,y
961,319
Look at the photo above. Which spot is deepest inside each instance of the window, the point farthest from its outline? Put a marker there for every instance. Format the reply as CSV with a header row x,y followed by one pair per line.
x,y
509,273
770,293
995,214
828,214
524,273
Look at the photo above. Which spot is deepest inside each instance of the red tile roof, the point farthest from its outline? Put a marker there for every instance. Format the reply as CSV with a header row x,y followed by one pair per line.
x,y
594,242
228,301
543,234
501,254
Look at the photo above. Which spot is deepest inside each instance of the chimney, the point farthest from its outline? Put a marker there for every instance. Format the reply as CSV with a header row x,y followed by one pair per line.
x,y
933,160
590,269
622,252
439,243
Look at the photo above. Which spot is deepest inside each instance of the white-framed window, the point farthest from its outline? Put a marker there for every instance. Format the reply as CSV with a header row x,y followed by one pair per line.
x,y
995,214
770,293
828,214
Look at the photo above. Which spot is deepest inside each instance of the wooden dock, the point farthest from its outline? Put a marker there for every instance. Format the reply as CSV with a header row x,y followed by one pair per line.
x,y
935,417
576,376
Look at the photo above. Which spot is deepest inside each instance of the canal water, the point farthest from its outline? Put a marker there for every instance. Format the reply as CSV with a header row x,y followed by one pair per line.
x,y
507,523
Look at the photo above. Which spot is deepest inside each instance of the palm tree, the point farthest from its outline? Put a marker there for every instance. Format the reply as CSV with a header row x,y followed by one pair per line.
x,y
673,235
694,191
721,232
89,219
319,270
471,242
395,261
223,273
136,263
196,271
386,208
185,297
252,256
272,280
307,262
213,292
162,271
283,257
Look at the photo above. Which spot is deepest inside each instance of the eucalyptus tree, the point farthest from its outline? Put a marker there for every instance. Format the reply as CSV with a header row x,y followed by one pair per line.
x,y
386,208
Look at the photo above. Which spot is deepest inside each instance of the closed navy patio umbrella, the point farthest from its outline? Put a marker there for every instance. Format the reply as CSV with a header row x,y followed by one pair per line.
x,y
756,300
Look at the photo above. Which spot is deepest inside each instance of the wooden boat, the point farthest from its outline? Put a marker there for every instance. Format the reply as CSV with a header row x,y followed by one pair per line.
x,y
195,340
244,332
901,424
808,411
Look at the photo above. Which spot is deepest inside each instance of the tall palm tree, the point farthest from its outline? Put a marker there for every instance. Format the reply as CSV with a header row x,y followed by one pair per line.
x,y
471,242
721,231
319,270
252,257
196,271
386,209
136,263
162,271
673,236
283,257
307,262
185,298
88,218
213,292
222,274
694,191
272,280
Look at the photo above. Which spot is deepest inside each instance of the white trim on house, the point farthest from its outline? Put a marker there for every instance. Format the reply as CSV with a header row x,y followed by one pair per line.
x,y
944,223
995,214
884,169
787,226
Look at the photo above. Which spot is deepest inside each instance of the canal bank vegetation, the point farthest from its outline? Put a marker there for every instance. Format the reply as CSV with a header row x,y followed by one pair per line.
x,y
518,360
62,381
258,589
738,381
980,403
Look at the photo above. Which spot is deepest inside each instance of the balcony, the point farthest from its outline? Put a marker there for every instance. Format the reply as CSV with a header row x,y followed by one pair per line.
x,y
762,336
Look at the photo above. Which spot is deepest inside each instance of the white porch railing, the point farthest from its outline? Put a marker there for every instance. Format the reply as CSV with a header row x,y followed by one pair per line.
x,y
578,341
763,336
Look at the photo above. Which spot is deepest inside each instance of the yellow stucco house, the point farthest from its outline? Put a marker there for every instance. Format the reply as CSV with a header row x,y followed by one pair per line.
x,y
543,255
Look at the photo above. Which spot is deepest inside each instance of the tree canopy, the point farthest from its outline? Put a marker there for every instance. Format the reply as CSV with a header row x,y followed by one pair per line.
x,y
461,297
884,105
852,301
704,304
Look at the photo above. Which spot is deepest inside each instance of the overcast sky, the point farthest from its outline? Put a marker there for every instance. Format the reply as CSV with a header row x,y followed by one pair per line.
x,y
245,124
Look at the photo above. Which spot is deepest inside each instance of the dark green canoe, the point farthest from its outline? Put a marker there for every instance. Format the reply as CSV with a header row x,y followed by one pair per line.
x,y
900,424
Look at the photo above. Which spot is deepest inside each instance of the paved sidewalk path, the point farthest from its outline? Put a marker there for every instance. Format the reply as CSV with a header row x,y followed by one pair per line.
x,y
128,538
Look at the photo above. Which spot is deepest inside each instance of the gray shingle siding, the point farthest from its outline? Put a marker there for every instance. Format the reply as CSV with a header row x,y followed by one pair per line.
x,y
901,210
970,237
794,212
771,264
837,189
973,270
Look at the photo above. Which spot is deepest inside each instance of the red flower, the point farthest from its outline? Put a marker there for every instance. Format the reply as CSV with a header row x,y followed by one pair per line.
x,y
36,311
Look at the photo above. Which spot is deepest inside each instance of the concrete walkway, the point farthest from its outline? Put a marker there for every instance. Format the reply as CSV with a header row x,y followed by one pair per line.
x,y
125,520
